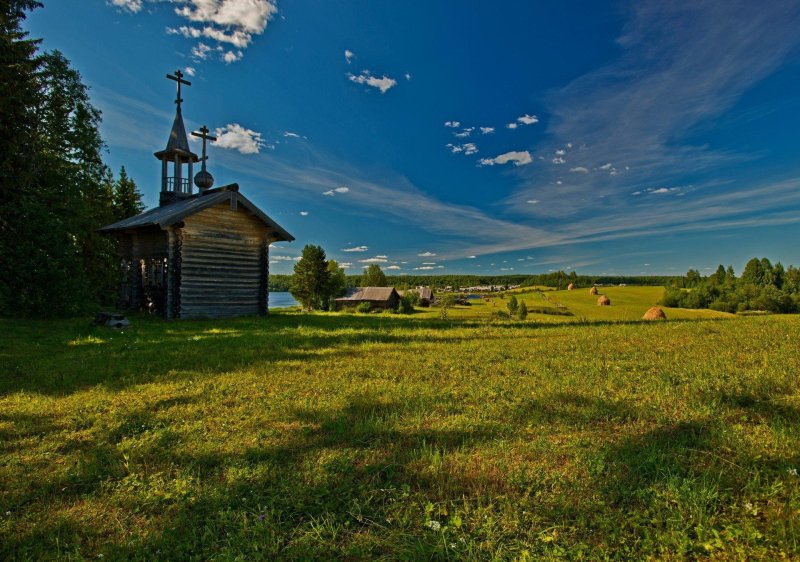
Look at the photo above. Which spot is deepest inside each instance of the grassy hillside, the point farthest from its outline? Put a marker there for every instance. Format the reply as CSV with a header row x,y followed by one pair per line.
x,y
384,437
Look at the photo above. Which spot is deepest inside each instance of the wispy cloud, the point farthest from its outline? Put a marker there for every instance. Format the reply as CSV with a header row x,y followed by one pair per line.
x,y
426,254
376,259
356,249
636,115
487,130
348,55
452,124
579,170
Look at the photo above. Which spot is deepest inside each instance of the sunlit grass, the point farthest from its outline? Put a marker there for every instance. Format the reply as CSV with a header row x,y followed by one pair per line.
x,y
389,437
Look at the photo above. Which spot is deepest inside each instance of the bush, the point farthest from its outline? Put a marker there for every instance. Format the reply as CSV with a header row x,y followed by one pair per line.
x,y
405,306
522,312
363,307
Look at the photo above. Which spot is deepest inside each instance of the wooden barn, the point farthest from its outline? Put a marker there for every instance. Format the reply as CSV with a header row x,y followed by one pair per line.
x,y
198,254
378,297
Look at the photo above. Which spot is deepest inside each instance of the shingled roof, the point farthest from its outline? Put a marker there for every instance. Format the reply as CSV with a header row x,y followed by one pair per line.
x,y
170,214
370,294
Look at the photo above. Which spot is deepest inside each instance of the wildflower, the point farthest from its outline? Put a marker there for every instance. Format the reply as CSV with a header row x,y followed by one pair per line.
x,y
433,525
792,472
261,517
8,514
453,545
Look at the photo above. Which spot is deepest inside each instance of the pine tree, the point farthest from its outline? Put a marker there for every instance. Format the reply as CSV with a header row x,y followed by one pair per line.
x,y
512,305
522,312
311,279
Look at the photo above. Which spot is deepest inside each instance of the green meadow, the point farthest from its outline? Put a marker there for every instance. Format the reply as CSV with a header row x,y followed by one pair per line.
x,y
588,436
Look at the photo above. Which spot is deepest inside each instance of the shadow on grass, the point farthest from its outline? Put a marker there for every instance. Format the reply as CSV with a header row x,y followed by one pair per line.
x,y
336,472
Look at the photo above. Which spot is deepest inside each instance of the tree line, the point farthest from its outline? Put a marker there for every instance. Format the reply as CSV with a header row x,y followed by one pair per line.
x,y
762,286
56,191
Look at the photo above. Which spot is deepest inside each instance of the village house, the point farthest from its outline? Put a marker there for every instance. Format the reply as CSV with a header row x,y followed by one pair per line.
x,y
198,254
378,297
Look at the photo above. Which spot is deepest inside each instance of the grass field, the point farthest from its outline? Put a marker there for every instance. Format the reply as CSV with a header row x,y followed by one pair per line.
x,y
627,303
363,437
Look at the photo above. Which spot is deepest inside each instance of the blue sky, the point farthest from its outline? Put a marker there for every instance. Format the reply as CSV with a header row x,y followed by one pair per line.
x,y
469,137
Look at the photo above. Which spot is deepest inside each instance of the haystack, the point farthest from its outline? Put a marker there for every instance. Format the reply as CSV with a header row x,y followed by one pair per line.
x,y
654,313
593,291
603,301
570,287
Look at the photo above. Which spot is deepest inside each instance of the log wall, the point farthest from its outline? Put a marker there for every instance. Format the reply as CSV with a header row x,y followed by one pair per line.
x,y
222,263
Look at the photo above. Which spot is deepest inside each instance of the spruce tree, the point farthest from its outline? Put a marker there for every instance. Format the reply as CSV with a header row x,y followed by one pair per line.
x,y
127,197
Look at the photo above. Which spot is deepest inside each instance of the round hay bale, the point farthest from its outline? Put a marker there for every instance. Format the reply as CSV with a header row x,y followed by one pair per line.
x,y
570,287
593,291
654,313
603,301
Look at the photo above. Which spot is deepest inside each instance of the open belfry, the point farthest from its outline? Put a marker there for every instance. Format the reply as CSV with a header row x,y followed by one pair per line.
x,y
200,253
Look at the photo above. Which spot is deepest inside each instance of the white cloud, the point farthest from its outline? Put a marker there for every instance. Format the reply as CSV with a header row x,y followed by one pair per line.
x,y
528,119
303,213
376,259
487,130
579,170
232,22
332,192
382,257
468,148
512,126
519,158
559,160
533,201
407,75
190,70
346,265
452,124
356,249
201,51
348,55
560,152
464,132
236,137
394,267
132,6
606,166
424,268
471,257
249,16
383,84
426,254
429,263
231,56
290,134
284,258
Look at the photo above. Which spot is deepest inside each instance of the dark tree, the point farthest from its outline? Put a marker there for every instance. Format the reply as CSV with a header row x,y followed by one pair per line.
x,y
337,284
127,197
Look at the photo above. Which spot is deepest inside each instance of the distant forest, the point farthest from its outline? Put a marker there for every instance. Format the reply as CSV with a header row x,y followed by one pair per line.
x,y
558,280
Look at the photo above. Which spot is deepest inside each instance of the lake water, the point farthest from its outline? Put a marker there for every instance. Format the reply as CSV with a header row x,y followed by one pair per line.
x,y
281,300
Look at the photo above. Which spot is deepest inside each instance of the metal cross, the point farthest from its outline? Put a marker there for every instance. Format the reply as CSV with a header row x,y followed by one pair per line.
x,y
178,77
203,134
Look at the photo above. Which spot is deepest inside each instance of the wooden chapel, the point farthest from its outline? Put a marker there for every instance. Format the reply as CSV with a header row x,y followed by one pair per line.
x,y
198,254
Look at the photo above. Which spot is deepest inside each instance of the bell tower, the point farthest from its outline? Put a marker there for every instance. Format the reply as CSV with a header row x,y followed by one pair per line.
x,y
176,155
